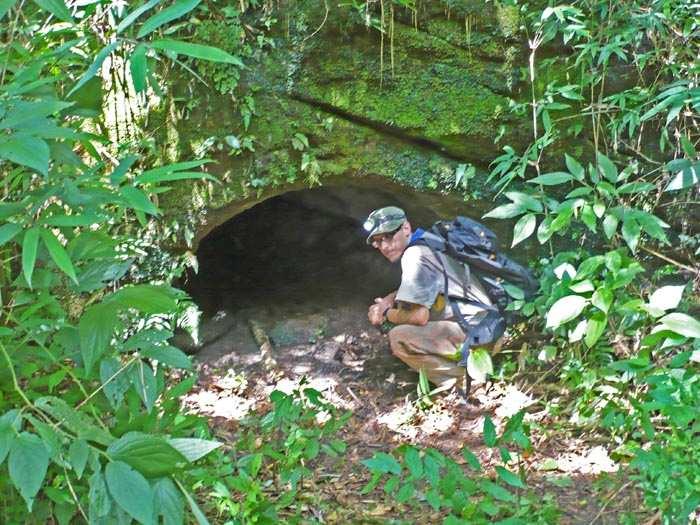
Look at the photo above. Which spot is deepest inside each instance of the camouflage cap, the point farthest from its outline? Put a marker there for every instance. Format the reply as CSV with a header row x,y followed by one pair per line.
x,y
384,220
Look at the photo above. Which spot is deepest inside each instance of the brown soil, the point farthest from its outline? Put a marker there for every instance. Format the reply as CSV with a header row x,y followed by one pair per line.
x,y
341,355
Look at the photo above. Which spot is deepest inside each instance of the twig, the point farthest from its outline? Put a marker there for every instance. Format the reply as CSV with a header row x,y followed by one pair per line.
x,y
325,17
672,261
14,378
602,509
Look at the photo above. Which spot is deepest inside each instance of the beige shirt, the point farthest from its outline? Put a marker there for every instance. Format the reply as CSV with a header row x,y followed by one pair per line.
x,y
423,283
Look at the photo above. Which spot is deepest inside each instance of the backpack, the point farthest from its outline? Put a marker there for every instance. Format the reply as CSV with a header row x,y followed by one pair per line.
x,y
470,242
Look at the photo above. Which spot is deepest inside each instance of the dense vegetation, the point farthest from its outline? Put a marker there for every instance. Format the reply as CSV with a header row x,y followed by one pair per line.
x,y
90,423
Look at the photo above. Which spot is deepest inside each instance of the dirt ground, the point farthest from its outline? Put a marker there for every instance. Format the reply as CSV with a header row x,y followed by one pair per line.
x,y
348,360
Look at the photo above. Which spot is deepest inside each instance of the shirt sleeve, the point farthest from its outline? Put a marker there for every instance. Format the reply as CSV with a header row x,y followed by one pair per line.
x,y
420,281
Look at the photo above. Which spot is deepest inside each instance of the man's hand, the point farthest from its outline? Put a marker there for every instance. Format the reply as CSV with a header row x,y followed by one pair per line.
x,y
376,311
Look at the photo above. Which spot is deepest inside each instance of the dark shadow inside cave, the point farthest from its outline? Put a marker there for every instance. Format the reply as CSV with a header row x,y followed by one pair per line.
x,y
299,255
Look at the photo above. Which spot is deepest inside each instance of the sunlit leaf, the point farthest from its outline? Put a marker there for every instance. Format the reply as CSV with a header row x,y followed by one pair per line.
x,y
212,54
193,448
30,245
479,364
595,328
565,309
607,167
524,228
552,179
58,254
138,65
56,8
682,324
131,17
5,6
27,464
175,11
666,297
512,479
95,66
686,178
26,150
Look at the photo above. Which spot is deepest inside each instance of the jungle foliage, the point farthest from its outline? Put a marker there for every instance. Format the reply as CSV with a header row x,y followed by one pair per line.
x,y
91,427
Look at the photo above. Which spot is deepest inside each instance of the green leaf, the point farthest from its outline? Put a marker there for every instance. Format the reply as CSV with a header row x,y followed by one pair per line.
x,y
193,448
512,479
26,150
117,176
471,458
78,453
565,309
144,380
131,17
79,423
595,328
527,201
9,426
382,462
506,211
95,66
138,200
130,490
152,456
29,249
178,9
8,232
100,502
5,6
552,179
606,167
171,168
635,187
588,217
574,167
168,355
58,254
497,491
168,177
95,328
489,432
198,514
114,386
686,178
138,64
544,230
169,502
602,299
582,286
666,297
212,54
610,225
147,298
682,324
405,493
523,228
29,460
631,231
56,8
479,364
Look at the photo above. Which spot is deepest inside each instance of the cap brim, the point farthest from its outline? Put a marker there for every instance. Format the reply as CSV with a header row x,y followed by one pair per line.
x,y
385,227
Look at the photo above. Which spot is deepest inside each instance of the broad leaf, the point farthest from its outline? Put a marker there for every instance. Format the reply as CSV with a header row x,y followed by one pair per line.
x,y
9,426
574,167
666,297
26,150
196,511
212,54
144,380
147,298
528,201
152,456
686,178
479,365
193,448
631,231
565,309
100,502
5,6
175,11
149,178
506,211
138,65
610,225
56,8
607,167
96,328
80,424
382,462
490,437
602,299
552,179
30,244
78,453
115,380
682,324
29,460
8,232
168,355
130,490
512,479
58,254
138,200
596,327
524,228
169,502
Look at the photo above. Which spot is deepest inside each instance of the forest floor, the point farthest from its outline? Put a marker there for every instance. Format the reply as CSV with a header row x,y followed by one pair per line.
x,y
342,356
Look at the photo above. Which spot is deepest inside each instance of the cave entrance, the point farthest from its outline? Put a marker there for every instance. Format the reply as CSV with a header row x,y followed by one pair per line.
x,y
298,265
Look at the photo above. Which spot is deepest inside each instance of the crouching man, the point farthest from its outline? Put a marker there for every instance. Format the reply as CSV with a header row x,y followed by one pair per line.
x,y
426,335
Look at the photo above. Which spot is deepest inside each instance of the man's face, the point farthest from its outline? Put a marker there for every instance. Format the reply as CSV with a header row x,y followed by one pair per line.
x,y
392,244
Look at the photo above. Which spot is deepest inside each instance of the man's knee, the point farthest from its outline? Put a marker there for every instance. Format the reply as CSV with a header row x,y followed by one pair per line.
x,y
397,339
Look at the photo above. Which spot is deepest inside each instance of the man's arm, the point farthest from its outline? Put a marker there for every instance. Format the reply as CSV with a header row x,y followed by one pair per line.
x,y
381,304
409,313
